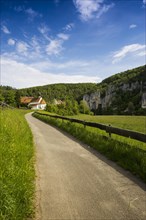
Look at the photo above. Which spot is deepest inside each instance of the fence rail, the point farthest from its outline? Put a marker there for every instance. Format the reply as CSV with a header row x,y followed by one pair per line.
x,y
108,128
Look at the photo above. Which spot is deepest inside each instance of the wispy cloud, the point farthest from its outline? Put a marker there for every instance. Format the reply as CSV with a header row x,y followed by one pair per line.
x,y
54,47
69,27
72,66
34,77
11,42
128,50
63,36
35,45
32,14
132,26
28,11
89,9
144,1
22,47
104,9
5,29
43,29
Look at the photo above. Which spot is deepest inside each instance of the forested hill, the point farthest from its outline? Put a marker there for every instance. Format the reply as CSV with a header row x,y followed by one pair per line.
x,y
76,91
60,91
73,91
129,76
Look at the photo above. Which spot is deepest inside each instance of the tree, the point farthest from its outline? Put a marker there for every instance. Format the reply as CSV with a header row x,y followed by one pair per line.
x,y
130,108
1,98
84,107
17,98
10,97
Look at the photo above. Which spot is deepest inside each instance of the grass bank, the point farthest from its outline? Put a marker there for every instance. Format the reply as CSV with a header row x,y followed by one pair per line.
x,y
134,123
16,166
129,157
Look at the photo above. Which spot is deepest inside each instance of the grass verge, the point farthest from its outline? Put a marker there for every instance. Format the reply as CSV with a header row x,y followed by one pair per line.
x,y
128,157
16,166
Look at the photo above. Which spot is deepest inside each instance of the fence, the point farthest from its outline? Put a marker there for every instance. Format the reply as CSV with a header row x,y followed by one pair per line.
x,y
108,128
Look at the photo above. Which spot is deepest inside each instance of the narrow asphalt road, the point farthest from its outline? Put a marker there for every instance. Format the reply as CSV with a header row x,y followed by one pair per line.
x,y
74,182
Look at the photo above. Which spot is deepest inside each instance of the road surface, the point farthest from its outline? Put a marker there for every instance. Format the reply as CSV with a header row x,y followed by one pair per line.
x,y
74,182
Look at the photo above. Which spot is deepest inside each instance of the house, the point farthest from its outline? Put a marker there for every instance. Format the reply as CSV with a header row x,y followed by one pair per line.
x,y
33,103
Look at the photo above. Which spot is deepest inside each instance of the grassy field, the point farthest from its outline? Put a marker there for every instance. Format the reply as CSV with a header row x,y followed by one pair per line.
x,y
130,155
16,166
136,123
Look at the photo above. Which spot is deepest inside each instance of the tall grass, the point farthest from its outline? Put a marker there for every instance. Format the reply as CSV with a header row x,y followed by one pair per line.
x,y
16,166
130,158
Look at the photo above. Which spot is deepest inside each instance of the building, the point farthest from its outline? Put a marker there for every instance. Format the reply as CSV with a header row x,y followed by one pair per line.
x,y
33,103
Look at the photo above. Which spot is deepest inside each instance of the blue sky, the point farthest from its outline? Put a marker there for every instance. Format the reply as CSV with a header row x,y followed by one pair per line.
x,y
70,41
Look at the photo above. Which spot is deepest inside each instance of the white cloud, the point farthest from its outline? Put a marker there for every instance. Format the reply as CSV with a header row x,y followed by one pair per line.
x,y
104,9
141,54
89,9
128,50
63,36
32,14
54,47
69,27
72,66
11,42
22,47
5,29
132,26
144,1
43,29
20,75
35,45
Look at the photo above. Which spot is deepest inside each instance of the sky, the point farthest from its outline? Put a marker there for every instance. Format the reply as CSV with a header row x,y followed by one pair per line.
x,y
70,41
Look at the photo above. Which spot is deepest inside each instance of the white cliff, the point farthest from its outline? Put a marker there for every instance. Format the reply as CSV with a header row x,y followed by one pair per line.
x,y
95,100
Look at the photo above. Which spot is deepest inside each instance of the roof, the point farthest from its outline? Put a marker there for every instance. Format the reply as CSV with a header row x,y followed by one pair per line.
x,y
26,99
35,100
32,101
43,101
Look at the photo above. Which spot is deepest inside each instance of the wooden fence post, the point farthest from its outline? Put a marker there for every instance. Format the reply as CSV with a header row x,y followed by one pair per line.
x,y
109,130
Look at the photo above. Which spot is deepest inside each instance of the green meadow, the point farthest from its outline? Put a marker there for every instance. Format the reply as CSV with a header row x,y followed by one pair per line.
x,y
135,123
16,166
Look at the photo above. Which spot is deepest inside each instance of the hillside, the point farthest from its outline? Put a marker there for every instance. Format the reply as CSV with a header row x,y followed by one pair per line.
x,y
60,91
114,95
122,93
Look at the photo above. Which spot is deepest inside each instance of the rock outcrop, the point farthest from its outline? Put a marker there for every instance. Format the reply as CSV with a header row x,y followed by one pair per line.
x,y
144,100
97,99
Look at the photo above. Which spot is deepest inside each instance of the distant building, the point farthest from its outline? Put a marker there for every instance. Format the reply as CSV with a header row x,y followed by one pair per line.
x,y
58,102
33,103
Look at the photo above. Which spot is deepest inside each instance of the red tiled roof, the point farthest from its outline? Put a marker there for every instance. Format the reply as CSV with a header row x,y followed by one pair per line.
x,y
25,100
